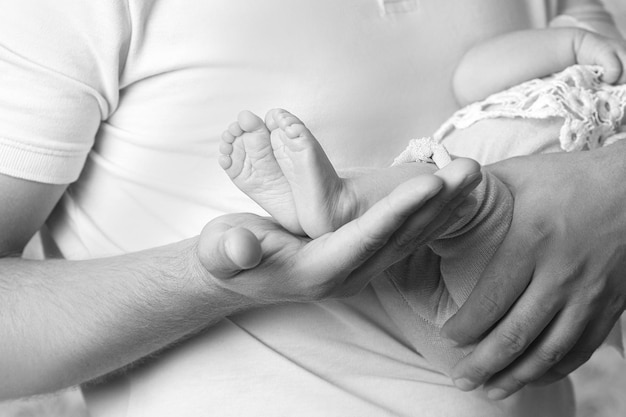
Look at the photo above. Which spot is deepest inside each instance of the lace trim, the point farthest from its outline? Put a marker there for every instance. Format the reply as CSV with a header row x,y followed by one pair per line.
x,y
593,111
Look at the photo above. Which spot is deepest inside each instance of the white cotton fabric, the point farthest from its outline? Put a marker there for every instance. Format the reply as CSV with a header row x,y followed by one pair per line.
x,y
126,100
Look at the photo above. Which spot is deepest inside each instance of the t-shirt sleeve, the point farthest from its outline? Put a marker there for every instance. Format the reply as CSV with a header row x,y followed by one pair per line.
x,y
59,63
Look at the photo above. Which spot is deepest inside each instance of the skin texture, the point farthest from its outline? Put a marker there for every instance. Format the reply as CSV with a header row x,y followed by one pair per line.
x,y
294,268
280,165
152,309
515,57
556,286
67,322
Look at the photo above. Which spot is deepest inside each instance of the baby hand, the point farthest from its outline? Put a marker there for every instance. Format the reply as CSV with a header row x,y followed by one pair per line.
x,y
594,49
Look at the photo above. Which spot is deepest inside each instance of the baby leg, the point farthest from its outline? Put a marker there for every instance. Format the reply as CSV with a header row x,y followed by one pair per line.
x,y
324,201
297,184
287,173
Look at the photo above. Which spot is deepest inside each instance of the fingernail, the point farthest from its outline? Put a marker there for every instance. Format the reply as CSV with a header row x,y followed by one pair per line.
x,y
464,384
497,394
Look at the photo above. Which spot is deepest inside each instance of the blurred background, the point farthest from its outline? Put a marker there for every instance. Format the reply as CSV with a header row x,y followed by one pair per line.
x,y
600,384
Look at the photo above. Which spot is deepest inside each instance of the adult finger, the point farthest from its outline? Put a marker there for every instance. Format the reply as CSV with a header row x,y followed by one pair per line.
x,y
594,335
402,243
510,338
460,178
555,343
458,209
505,278
360,239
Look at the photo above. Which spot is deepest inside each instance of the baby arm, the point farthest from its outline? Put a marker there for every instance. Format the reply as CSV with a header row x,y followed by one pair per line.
x,y
515,57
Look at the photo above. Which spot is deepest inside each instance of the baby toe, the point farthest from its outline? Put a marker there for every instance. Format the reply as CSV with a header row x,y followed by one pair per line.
x,y
235,129
226,148
250,122
227,137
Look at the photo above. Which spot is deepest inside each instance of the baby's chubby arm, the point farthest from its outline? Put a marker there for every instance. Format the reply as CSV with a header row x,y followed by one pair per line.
x,y
516,57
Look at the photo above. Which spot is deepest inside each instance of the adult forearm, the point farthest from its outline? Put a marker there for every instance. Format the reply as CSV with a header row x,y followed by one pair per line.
x,y
66,322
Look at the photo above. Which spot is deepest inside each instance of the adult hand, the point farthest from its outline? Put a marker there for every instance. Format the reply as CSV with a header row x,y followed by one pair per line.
x,y
338,264
556,286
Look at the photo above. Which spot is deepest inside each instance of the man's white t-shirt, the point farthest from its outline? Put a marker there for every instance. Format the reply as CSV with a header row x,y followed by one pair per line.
x,y
126,100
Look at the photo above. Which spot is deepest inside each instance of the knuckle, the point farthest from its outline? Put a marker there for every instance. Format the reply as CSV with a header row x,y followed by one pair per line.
x,y
489,307
512,341
401,240
549,355
478,373
370,245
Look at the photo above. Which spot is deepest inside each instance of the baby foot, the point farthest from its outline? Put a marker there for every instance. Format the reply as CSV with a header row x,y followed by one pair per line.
x,y
323,200
248,159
